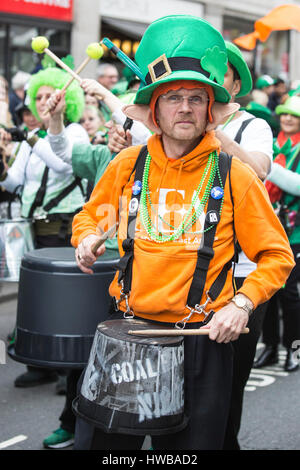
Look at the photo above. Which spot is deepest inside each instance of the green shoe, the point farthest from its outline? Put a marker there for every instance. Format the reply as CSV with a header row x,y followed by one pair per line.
x,y
59,439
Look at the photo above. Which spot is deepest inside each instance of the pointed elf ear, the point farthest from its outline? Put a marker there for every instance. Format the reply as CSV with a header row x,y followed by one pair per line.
x,y
141,113
220,111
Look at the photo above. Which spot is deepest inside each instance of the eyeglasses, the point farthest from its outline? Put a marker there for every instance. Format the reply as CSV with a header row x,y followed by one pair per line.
x,y
175,100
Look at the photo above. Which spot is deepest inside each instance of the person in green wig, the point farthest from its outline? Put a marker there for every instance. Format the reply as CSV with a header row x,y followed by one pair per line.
x,y
36,168
176,236
283,185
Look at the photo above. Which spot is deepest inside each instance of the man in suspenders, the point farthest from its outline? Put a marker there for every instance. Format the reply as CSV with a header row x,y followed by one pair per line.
x,y
251,140
173,200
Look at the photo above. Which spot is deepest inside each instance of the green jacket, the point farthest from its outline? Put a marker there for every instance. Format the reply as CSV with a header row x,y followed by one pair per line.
x,y
90,161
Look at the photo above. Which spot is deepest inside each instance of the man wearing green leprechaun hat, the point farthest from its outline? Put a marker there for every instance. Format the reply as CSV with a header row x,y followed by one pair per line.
x,y
173,200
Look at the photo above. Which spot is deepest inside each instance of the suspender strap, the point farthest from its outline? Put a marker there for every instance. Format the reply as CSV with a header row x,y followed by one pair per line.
x,y
64,193
125,263
206,252
39,197
238,136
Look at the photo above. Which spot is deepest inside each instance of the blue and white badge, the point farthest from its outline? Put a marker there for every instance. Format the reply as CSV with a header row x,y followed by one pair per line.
x,y
137,187
217,192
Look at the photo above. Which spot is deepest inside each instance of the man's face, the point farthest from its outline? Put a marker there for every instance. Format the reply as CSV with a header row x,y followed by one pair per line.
x,y
280,89
231,85
109,78
182,114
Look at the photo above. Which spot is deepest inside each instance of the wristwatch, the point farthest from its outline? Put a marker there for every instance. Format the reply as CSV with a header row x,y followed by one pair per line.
x,y
243,302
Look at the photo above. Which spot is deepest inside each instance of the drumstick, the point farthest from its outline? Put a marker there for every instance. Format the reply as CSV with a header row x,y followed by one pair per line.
x,y
94,51
171,332
104,237
40,44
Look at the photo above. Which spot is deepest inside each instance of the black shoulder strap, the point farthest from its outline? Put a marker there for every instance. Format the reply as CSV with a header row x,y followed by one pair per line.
x,y
206,252
64,193
239,133
125,263
40,194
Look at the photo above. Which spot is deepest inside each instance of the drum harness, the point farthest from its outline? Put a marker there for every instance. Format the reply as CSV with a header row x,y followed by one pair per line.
x,y
63,217
204,255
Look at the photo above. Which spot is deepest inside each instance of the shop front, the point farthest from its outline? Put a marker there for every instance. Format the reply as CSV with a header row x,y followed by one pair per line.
x,y
270,57
22,20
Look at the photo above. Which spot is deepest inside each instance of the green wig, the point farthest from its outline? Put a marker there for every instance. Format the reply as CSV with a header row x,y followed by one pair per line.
x,y
57,78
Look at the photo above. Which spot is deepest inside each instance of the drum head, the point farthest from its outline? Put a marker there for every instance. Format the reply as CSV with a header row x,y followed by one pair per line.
x,y
118,329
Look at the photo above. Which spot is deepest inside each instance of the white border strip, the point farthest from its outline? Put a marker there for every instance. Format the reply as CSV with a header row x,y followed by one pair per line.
x,y
12,441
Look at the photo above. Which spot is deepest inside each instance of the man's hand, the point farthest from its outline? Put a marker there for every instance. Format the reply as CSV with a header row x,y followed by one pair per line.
x,y
92,87
84,255
118,139
227,324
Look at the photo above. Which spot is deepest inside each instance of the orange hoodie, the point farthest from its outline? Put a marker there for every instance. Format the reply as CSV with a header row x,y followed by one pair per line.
x,y
162,272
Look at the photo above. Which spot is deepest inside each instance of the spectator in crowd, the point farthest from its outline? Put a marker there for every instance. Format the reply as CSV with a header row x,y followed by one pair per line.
x,y
17,92
280,91
93,122
107,75
265,83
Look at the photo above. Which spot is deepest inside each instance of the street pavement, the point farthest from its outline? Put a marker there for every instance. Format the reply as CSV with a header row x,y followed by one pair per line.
x,y
270,419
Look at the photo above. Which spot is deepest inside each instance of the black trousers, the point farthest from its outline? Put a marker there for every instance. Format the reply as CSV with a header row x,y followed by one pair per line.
x,y
244,352
67,417
288,300
208,378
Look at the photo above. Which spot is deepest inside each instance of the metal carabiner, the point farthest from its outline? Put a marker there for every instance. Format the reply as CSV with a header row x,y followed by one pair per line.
x,y
125,297
184,320
128,309
199,309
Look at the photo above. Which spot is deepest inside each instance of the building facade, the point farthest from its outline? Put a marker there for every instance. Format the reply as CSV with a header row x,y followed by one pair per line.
x,y
70,25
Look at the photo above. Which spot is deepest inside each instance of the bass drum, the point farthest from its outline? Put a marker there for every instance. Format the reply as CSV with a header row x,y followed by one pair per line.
x,y
59,307
16,239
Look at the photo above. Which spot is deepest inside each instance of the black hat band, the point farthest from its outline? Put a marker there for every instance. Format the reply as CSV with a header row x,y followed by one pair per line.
x,y
162,67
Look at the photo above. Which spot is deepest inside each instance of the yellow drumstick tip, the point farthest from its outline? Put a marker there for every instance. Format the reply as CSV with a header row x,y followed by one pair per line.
x,y
39,44
94,50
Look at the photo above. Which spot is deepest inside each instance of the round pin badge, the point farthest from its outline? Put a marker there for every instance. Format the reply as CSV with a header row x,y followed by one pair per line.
x,y
137,187
133,206
217,192
212,217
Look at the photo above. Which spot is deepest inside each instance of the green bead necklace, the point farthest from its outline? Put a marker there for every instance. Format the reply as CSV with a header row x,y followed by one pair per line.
x,y
193,213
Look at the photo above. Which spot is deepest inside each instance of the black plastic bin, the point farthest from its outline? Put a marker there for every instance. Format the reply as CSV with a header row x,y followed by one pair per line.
x,y
59,307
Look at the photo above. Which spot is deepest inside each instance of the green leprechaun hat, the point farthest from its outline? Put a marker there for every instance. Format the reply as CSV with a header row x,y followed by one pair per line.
x,y
181,47
236,59
290,106
264,81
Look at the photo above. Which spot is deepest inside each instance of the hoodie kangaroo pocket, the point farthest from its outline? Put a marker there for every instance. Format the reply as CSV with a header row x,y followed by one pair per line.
x,y
161,281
